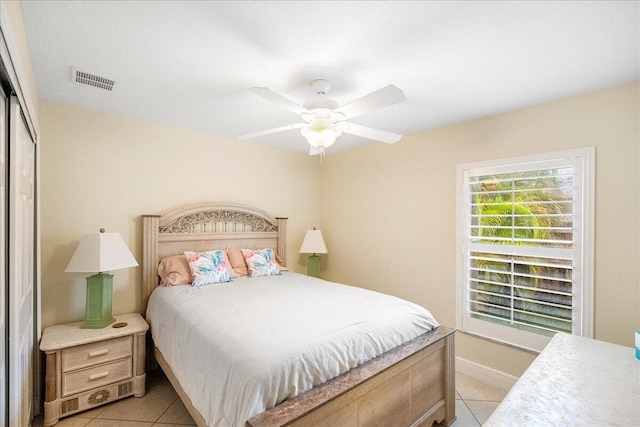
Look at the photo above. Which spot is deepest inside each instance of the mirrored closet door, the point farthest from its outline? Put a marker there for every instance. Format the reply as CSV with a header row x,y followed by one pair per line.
x,y
21,295
3,257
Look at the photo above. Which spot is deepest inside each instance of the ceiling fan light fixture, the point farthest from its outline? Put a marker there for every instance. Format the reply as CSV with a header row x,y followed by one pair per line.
x,y
321,133
323,120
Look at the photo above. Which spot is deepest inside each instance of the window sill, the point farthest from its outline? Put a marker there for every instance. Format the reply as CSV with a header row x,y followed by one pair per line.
x,y
496,341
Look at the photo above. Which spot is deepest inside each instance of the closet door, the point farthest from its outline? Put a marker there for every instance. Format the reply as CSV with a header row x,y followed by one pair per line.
x,y
3,257
21,267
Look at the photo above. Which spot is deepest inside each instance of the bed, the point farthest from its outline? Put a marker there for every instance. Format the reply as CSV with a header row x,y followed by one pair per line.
x,y
409,384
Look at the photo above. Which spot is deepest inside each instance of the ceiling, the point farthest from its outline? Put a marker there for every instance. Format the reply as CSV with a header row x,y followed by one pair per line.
x,y
189,64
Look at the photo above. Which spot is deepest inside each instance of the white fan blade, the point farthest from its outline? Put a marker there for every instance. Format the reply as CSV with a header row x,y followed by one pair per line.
x,y
371,133
270,131
279,99
384,97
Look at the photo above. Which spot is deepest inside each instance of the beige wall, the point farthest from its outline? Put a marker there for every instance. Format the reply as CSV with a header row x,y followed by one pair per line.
x,y
105,171
389,212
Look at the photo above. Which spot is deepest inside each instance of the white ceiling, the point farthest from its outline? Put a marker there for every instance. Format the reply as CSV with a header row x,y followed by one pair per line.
x,y
189,64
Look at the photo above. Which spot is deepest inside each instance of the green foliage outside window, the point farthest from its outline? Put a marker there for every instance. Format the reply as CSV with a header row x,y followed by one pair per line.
x,y
522,209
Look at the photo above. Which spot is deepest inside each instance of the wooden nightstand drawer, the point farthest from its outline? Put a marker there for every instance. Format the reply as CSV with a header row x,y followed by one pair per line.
x,y
97,376
93,354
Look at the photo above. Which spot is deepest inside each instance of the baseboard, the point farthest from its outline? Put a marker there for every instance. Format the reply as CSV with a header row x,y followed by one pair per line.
x,y
485,374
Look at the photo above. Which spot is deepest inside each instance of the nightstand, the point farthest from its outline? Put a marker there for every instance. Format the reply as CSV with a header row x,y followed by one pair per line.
x,y
86,368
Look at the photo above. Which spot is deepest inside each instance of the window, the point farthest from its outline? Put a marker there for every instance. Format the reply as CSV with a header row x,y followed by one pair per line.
x,y
525,247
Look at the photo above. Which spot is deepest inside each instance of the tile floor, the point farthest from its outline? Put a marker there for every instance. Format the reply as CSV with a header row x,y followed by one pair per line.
x,y
161,407
475,401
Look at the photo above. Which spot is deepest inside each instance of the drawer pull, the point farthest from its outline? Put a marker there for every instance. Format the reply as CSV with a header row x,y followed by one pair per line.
x,y
99,352
98,376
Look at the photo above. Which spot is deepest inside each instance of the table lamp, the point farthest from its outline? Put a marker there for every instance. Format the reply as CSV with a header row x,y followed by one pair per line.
x,y
100,253
313,244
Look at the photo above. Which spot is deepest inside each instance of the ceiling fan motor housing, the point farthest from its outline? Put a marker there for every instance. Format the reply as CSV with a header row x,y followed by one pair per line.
x,y
320,105
321,86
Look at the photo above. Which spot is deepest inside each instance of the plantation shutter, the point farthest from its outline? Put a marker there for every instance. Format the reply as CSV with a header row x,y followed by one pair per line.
x,y
522,245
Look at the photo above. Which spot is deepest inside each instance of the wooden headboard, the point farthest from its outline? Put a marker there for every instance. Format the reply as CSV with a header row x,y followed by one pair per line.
x,y
206,227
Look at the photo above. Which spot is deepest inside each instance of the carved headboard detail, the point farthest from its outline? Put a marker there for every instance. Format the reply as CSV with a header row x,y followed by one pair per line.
x,y
219,221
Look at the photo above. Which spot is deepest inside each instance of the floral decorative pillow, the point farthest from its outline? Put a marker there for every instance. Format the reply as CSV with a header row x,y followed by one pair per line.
x,y
208,267
261,262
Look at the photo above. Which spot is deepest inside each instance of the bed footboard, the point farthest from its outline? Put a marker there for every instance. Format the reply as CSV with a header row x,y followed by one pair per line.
x,y
412,385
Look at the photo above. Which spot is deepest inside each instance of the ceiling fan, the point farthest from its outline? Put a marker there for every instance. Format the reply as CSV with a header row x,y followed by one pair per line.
x,y
324,120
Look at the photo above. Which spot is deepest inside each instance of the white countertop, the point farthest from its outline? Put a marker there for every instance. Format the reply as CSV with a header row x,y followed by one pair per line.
x,y
575,381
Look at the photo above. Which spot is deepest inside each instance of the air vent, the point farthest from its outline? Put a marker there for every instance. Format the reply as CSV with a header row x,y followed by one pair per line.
x,y
91,79
125,389
69,405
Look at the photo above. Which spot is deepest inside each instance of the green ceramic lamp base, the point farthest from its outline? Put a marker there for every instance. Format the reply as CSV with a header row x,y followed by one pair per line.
x,y
99,301
313,266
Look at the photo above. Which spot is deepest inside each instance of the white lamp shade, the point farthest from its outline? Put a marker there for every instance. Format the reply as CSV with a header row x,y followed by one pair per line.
x,y
313,243
101,252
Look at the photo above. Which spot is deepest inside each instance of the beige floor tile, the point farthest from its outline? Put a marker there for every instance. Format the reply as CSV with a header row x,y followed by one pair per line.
x,y
117,423
73,421
149,408
177,414
171,425
472,389
92,413
464,417
481,409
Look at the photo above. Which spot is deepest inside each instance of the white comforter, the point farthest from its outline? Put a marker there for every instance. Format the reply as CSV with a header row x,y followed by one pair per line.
x,y
240,348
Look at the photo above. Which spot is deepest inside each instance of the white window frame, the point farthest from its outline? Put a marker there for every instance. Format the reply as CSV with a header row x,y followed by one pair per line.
x,y
583,160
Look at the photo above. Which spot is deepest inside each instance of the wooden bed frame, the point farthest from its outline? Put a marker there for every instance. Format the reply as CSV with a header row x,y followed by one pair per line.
x,y
410,385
